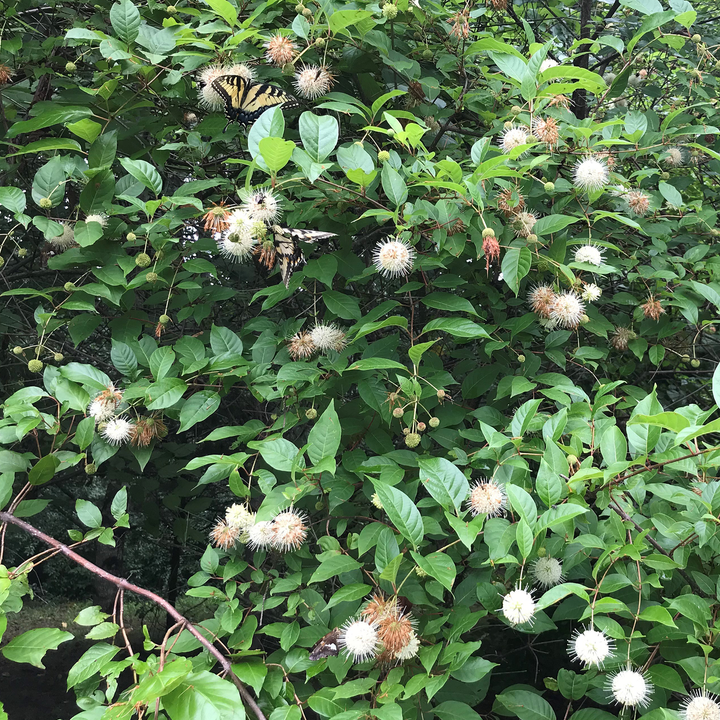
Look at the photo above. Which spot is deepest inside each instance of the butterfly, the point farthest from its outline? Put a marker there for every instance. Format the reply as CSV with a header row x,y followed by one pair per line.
x,y
245,100
326,646
285,249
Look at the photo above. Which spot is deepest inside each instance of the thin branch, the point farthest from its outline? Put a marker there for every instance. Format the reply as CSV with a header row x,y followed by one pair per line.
x,y
126,585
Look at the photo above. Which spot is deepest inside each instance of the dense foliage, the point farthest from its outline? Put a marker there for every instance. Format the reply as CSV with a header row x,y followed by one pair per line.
x,y
475,427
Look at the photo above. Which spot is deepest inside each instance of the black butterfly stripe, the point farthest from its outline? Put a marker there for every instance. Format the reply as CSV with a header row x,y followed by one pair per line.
x,y
288,248
245,101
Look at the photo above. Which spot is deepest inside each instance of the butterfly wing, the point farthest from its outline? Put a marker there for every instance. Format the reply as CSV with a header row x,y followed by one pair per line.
x,y
287,247
326,646
245,101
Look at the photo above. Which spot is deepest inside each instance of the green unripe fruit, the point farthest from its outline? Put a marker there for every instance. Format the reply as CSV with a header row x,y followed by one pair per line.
x,y
715,232
441,394
159,255
151,277
319,506
532,238
433,422
131,237
685,359
664,175
45,203
170,9
299,8
35,366
398,412
406,431
320,42
584,320
307,13
427,54
542,552
696,38
549,186
391,133
695,363
421,427
70,67
383,156
17,350
572,460
488,232
58,357
420,572
311,413
164,319
515,110
521,358
90,469
412,440
22,252
69,287
390,11
143,260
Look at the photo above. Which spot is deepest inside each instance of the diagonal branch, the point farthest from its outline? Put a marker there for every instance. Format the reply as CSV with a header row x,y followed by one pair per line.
x,y
127,585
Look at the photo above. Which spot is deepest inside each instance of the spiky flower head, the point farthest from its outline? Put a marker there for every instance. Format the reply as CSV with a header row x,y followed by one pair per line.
x,y
239,224
487,497
224,535
280,50
546,130
518,606
511,201
301,346
260,535
65,240
700,705
460,27
630,687
393,257
652,308
590,647
541,299
567,310
523,223
207,96
376,501
239,517
675,157
591,174
513,137
313,81
621,338
5,74
146,429
118,431
235,248
547,571
262,205
591,292
100,410
590,254
98,218
328,337
359,639
216,218
638,202
379,607
288,530
395,631
410,650
491,249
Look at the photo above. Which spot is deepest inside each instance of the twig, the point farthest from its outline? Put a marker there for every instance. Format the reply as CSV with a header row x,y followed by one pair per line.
x,y
126,585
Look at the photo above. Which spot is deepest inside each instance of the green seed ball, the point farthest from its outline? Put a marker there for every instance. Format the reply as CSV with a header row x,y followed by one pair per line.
x,y
695,363
2,261
131,237
549,186
420,572
307,13
143,260
35,366
433,422
664,175
488,232
412,440
22,252
90,469
584,319
398,412
515,110
69,287
319,506
572,460
70,67
427,54
542,552
299,8
320,42
521,358
164,319
45,203
391,133
151,277
17,350
543,266
421,427
170,9
311,413
390,11
383,156
441,394
532,238
696,38
58,357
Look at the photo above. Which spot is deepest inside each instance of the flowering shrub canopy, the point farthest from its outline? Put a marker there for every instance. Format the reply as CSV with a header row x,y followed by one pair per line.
x,y
412,387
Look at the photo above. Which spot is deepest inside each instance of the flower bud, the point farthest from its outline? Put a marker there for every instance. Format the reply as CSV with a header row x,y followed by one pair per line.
x,y
143,260
320,42
307,13
488,232
421,427
311,413
90,469
299,8
398,412
17,350
515,110
288,69
58,357
695,363
131,237
542,552
22,252
521,358
433,422
35,366
420,572
383,156
69,287
696,39
427,54
152,277
549,186
441,394
45,203
170,9
70,67
412,440
390,11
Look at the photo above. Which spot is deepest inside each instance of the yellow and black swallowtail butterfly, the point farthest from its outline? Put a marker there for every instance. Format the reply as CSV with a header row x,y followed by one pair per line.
x,y
285,250
245,101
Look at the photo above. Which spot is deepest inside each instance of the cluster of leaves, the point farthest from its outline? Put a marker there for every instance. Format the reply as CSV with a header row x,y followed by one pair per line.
x,y
446,375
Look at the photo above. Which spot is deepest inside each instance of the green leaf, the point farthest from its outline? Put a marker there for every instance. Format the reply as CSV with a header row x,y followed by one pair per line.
x,y
553,223
402,512
280,454
342,305
657,614
252,673
31,646
716,385
444,481
319,135
203,695
161,683
197,408
88,513
49,182
393,185
49,144
84,432
448,302
145,173
165,393
341,19
376,364
348,593
118,507
671,194
103,150
522,503
515,266
416,352
613,445
54,115
526,705
324,438
334,565
457,327
123,358
276,152
524,538
44,470
225,10
224,341
86,129
454,710
438,565
97,195
125,19
13,199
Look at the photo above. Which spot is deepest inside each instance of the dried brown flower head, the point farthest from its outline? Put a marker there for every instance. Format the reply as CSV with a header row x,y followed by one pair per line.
x,y
560,101
216,218
546,130
638,202
223,535
491,248
460,28
395,630
541,299
510,201
301,346
5,74
280,50
266,251
621,337
652,308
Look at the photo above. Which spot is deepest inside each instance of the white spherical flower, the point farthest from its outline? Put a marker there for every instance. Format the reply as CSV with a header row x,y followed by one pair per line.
x,y
674,157
235,248
260,535
207,97
262,205
518,606
591,174
241,69
313,81
630,688
65,240
590,647
394,258
239,517
567,310
97,218
289,530
700,705
487,498
328,337
117,431
591,292
411,649
547,571
101,410
359,639
590,254
514,137
547,64
240,224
